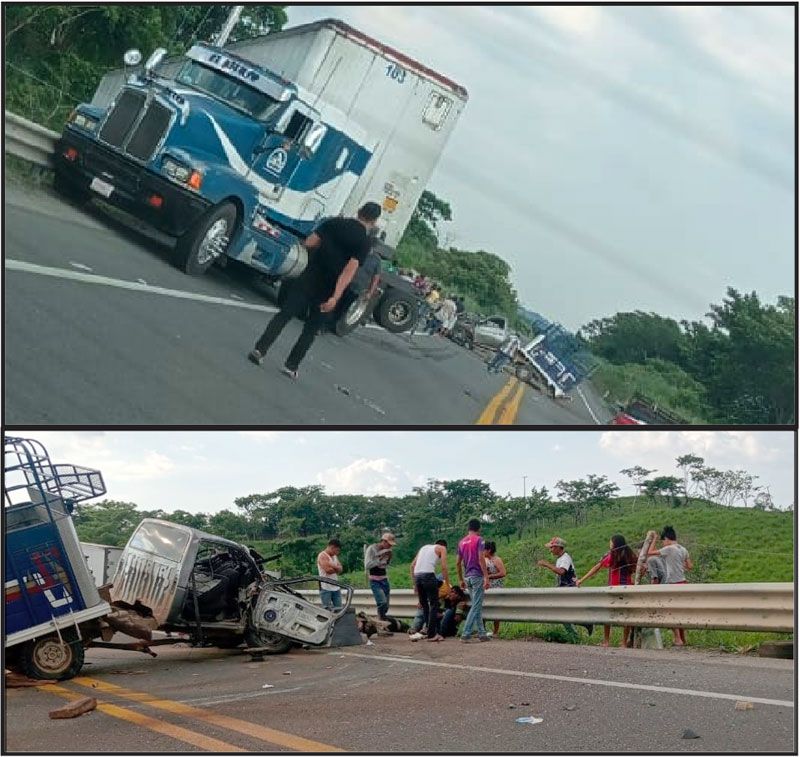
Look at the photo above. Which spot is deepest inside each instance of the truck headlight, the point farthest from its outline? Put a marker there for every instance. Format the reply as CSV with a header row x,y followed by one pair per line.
x,y
82,121
181,173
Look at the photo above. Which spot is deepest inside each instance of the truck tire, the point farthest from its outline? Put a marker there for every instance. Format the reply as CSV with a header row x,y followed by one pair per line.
x,y
524,373
199,247
269,643
50,659
396,311
352,316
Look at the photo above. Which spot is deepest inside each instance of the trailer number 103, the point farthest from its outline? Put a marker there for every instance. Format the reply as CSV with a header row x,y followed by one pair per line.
x,y
395,72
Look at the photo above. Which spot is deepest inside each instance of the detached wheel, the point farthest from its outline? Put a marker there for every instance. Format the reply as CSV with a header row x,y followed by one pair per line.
x,y
270,643
208,240
51,659
396,311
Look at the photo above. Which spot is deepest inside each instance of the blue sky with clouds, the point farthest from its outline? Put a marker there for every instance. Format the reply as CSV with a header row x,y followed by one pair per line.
x,y
619,158
205,471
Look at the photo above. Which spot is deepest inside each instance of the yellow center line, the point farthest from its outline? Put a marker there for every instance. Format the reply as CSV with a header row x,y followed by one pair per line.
x,y
509,414
487,416
270,735
159,726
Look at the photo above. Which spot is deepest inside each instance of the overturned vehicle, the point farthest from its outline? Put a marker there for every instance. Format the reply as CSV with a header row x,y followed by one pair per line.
x,y
177,579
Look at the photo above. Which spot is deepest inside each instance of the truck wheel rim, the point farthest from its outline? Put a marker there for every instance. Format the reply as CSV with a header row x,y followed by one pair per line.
x,y
355,312
52,656
399,313
214,242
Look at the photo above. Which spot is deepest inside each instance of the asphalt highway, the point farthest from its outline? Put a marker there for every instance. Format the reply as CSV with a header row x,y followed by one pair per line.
x,y
398,696
101,328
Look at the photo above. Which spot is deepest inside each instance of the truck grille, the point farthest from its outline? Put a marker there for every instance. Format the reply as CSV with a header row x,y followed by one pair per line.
x,y
131,131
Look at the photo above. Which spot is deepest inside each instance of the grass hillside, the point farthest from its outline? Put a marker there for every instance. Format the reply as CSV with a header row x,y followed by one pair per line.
x,y
727,545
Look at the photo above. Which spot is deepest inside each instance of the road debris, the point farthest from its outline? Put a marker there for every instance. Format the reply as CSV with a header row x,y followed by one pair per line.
x,y
741,705
287,672
689,734
512,707
19,681
343,389
268,686
128,672
570,707
530,720
74,709
524,704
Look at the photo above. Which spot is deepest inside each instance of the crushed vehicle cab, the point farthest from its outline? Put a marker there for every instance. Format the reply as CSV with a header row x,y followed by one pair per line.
x,y
179,579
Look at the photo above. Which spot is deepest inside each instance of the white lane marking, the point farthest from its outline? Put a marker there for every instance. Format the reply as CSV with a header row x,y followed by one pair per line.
x,y
81,266
139,286
591,412
571,679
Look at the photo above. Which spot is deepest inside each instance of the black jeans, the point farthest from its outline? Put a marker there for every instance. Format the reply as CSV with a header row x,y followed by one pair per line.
x,y
428,592
297,299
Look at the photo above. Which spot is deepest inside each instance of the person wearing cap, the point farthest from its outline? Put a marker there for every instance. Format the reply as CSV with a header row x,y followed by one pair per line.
x,y
564,569
335,251
376,562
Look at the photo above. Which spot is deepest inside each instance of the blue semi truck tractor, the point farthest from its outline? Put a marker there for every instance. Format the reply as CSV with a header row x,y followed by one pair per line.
x,y
238,153
52,607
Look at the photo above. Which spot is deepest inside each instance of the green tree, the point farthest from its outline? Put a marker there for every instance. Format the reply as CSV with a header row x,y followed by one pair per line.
x,y
635,337
107,521
668,488
582,494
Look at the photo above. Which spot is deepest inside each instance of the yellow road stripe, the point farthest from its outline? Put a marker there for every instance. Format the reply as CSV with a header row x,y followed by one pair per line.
x,y
509,414
253,730
487,416
159,726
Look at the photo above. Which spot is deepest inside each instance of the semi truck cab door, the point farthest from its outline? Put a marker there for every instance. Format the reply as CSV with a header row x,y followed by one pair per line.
x,y
296,138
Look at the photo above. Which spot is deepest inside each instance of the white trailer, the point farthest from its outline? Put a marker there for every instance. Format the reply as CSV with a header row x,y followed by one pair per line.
x,y
407,110
102,560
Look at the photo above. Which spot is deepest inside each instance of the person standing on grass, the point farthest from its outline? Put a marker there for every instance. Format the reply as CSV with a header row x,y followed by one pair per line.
x,y
677,562
564,569
426,583
621,563
376,563
328,566
336,249
496,569
474,577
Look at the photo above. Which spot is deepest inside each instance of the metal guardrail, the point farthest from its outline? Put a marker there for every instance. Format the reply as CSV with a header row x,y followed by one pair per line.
x,y
28,140
734,607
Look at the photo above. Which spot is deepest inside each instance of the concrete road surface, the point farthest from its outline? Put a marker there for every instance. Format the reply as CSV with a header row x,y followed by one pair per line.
x,y
102,328
398,696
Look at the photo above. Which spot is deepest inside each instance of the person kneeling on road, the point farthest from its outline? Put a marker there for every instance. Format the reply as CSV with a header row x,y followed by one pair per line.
x,y
336,249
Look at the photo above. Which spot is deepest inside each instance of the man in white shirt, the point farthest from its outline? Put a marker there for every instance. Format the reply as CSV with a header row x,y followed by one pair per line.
x,y
677,562
328,566
505,353
564,569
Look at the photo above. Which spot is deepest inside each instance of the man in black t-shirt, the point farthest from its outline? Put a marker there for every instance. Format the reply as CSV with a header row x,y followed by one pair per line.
x,y
336,249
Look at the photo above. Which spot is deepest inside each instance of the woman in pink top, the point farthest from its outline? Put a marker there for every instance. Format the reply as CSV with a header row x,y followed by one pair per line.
x,y
620,561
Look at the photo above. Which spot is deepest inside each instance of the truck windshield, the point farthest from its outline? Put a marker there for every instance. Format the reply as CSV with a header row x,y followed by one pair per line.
x,y
230,91
161,540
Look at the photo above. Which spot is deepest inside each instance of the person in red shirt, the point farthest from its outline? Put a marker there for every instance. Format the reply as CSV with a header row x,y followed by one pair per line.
x,y
620,560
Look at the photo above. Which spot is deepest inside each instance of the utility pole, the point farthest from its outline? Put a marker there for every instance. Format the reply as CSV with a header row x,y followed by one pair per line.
x,y
233,19
524,488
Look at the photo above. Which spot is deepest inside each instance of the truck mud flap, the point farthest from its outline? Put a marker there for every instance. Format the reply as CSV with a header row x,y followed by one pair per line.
x,y
290,616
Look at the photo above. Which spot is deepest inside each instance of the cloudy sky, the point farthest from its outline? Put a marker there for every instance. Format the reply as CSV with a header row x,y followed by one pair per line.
x,y
206,471
619,158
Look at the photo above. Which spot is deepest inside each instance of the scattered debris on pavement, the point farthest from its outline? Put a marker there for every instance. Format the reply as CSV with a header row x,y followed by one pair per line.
x,y
19,681
570,707
741,705
530,720
689,734
74,709
268,686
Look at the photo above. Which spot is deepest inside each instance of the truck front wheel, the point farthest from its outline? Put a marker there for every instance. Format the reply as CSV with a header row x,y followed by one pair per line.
x,y
208,240
396,311
53,659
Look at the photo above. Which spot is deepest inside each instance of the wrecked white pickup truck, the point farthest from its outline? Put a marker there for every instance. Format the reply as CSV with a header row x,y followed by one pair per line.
x,y
175,578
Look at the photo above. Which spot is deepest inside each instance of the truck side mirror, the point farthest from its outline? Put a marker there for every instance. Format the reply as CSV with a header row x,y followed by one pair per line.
x,y
158,55
132,57
314,137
